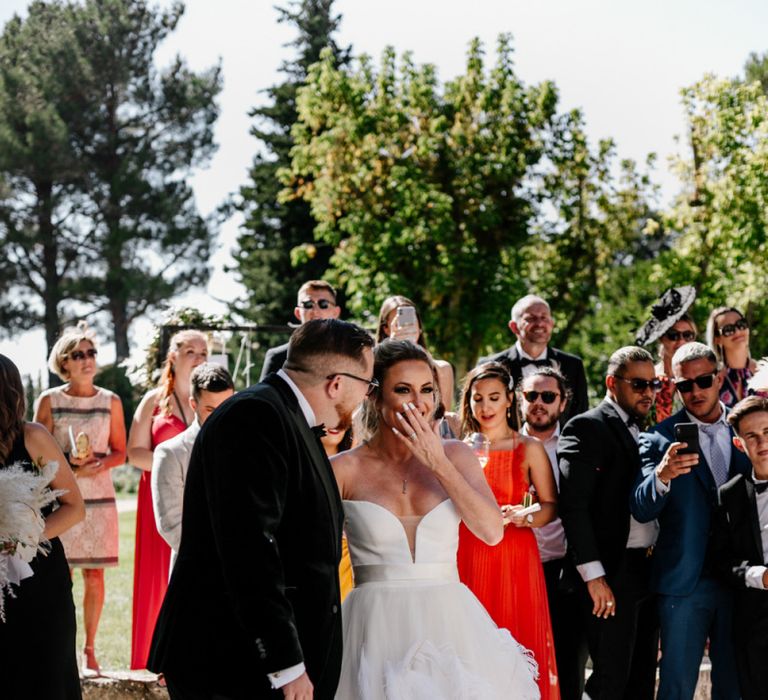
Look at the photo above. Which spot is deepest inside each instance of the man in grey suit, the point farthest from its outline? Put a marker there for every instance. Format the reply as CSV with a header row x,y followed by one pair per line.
x,y
210,386
316,300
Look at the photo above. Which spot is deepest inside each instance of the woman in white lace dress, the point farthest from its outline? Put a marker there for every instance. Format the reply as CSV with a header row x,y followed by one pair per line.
x,y
81,407
411,629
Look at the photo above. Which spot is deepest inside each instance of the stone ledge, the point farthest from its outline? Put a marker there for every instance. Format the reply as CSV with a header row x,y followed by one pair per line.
x,y
119,685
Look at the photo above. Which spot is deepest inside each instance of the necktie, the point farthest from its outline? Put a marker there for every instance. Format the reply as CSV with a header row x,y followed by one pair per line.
x,y
525,361
717,464
760,486
319,430
636,422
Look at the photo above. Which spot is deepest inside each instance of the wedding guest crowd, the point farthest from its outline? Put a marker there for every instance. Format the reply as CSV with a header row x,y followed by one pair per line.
x,y
644,549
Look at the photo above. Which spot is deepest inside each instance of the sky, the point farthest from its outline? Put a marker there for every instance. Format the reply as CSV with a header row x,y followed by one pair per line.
x,y
622,62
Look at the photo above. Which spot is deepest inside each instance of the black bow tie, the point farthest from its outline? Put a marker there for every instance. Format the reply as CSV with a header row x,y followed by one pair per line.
x,y
760,487
319,430
525,361
638,423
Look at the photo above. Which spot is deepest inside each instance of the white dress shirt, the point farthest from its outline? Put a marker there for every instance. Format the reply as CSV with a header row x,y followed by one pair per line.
x,y
280,678
754,574
550,537
528,370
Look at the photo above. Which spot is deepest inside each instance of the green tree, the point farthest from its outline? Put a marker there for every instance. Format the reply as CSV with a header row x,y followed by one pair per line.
x,y
756,69
422,191
272,229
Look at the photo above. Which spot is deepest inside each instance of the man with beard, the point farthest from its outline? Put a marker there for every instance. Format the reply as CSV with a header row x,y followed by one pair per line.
x,y
532,323
680,490
543,399
599,462
252,608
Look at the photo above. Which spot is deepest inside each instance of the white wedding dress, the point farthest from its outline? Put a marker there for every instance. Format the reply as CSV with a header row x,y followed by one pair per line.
x,y
412,631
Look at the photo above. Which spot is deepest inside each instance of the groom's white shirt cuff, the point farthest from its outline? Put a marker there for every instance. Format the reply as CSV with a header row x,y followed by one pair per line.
x,y
281,678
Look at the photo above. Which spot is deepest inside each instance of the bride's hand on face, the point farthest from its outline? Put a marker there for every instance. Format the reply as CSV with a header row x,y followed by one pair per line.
x,y
420,437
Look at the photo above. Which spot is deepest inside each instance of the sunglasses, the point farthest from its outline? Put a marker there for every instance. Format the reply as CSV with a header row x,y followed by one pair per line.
x,y
320,303
730,328
703,381
80,355
546,396
373,384
640,385
674,336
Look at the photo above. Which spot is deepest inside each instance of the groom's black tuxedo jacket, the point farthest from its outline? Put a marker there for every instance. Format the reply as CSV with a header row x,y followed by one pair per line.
x,y
255,586
570,366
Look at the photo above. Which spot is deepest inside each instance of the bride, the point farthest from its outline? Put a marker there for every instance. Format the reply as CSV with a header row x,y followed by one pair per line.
x,y
411,630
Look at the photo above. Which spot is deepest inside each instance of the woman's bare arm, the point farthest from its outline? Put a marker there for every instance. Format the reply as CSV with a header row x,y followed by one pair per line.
x,y
140,435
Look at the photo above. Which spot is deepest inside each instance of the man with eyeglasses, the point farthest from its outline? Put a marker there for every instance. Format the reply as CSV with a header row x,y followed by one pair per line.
x,y
253,604
680,491
316,300
543,399
599,462
533,324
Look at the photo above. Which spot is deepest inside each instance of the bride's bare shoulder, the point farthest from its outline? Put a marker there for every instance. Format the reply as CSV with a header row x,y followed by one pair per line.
x,y
349,460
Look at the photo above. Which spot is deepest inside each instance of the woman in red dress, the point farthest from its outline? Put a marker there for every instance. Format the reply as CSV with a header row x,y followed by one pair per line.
x,y
508,578
163,413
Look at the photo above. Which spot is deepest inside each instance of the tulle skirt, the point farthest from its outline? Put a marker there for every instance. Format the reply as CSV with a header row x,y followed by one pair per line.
x,y
428,640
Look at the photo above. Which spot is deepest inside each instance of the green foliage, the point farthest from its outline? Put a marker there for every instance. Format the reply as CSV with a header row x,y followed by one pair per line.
x,y
756,69
265,262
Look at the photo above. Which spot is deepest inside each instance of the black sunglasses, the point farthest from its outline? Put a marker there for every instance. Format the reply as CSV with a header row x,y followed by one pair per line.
x,y
373,384
80,355
640,385
321,304
546,396
730,328
674,336
703,381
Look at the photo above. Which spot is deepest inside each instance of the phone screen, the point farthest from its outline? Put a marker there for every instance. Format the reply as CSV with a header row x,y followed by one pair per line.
x,y
406,316
688,433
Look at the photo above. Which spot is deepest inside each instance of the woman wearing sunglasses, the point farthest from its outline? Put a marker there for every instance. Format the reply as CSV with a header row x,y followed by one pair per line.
x,y
728,336
508,579
76,409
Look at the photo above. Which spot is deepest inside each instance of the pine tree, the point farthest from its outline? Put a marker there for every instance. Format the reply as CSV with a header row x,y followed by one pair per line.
x,y
273,230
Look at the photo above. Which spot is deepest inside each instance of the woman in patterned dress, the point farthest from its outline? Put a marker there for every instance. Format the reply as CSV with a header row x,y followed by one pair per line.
x,y
79,406
163,413
728,336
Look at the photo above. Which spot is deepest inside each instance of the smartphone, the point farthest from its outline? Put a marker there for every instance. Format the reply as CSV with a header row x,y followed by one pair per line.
x,y
406,317
688,433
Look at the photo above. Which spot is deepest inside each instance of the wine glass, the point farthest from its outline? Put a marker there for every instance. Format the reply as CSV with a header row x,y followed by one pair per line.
x,y
480,445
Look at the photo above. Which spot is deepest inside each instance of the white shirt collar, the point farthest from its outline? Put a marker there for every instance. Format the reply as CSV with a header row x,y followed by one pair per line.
x,y
721,419
523,353
554,436
756,480
622,413
306,409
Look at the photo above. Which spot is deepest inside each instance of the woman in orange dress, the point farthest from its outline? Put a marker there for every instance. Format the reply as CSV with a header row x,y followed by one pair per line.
x,y
508,579
163,413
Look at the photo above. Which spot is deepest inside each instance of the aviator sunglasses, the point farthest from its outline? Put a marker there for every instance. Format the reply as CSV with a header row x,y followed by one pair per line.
x,y
546,396
674,336
80,355
730,328
641,385
321,304
703,381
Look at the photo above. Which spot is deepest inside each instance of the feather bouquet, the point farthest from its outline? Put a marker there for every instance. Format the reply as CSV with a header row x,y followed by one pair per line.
x,y
759,380
23,495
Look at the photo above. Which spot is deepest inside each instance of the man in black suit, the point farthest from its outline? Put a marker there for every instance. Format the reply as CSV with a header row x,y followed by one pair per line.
x,y
598,459
253,602
316,300
740,545
532,323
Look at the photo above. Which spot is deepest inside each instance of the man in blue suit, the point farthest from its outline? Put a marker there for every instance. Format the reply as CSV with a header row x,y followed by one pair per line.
x,y
680,491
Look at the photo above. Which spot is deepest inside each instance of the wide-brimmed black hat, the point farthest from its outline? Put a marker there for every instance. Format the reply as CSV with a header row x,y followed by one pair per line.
x,y
665,313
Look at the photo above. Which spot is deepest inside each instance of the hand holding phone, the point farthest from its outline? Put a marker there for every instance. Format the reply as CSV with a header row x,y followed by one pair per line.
x,y
689,434
679,460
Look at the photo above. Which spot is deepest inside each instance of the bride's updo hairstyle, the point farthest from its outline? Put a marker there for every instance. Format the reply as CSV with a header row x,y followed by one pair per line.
x,y
488,370
386,355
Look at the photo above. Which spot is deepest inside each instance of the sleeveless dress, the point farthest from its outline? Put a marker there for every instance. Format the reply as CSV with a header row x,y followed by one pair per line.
x,y
37,640
508,579
153,555
411,630
93,542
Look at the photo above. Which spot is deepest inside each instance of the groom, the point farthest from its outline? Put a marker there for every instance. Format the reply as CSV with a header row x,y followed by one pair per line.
x,y
252,608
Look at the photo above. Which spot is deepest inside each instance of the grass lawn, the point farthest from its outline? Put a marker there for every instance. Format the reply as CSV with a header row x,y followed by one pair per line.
x,y
113,640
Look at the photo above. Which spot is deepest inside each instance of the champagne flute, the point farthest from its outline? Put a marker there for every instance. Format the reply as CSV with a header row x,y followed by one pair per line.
x,y
480,445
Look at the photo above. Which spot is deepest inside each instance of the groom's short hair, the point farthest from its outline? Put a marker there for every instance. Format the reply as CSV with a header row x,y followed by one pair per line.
x,y
315,342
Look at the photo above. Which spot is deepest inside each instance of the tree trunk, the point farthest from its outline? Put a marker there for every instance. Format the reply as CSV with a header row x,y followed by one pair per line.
x,y
50,272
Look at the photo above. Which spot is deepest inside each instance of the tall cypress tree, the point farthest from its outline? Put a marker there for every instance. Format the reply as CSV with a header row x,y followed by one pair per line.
x,y
273,229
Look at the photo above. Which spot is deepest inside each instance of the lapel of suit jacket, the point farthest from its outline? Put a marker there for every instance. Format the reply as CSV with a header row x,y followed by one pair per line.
x,y
754,520
513,362
319,459
619,428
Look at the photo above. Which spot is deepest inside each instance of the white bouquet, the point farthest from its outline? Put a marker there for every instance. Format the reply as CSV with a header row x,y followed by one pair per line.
x,y
23,495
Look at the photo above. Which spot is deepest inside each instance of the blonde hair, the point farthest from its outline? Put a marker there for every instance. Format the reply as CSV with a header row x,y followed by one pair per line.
x,y
69,339
168,377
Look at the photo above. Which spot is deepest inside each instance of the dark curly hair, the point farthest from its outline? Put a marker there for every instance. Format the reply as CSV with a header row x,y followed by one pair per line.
x,y
12,406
